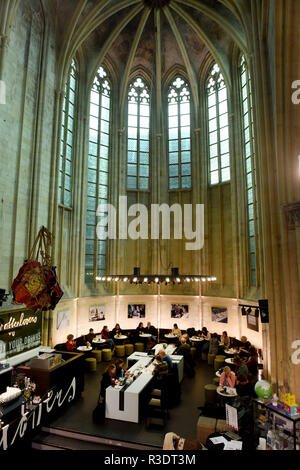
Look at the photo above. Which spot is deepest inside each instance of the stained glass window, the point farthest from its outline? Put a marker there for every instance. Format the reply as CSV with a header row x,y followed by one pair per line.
x,y
98,167
179,134
138,135
67,139
218,127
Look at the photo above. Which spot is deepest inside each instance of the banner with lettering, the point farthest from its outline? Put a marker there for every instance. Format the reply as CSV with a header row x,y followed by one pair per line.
x,y
20,331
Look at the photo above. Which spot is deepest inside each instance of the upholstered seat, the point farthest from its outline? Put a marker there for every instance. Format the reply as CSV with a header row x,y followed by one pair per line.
x,y
97,354
120,350
90,364
139,347
210,359
129,348
210,391
106,355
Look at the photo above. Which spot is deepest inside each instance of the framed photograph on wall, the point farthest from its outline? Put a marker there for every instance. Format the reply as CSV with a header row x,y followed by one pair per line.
x,y
219,314
252,321
179,311
97,313
63,319
136,311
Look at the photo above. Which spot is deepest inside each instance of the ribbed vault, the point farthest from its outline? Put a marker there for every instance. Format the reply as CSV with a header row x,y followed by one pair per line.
x,y
152,33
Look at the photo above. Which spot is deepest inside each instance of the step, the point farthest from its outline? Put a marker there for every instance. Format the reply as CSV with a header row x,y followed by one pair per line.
x,y
62,437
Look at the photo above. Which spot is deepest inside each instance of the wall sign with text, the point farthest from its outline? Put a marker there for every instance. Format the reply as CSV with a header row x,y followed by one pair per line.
x,y
20,331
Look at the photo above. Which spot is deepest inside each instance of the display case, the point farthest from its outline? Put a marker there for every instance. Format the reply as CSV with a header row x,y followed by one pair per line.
x,y
282,432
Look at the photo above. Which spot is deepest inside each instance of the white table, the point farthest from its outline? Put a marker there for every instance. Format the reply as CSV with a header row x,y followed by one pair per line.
x,y
145,335
169,349
170,336
196,339
120,337
230,351
84,349
99,341
227,395
229,360
126,407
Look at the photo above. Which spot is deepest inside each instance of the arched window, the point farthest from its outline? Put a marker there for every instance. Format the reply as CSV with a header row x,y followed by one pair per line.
x,y
179,134
67,139
249,159
98,163
138,141
218,128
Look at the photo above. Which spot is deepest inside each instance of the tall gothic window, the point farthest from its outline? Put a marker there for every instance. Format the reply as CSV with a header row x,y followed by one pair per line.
x,y
98,163
67,139
138,142
218,128
249,159
179,134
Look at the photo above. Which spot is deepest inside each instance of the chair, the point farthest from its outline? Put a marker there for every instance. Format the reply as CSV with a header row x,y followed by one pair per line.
x,y
210,391
106,355
139,347
216,381
120,350
129,348
204,356
97,354
218,362
194,352
90,364
157,408
210,359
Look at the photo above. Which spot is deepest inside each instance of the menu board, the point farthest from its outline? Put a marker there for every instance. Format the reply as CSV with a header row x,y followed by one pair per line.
x,y
20,331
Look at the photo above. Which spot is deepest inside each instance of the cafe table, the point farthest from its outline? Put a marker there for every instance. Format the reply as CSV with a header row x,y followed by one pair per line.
x,y
231,392
120,339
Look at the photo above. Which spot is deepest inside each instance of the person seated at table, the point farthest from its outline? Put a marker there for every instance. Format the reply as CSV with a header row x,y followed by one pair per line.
x,y
120,368
244,347
70,343
109,374
227,378
116,330
90,336
165,357
206,339
176,331
105,334
160,370
225,341
213,344
184,350
187,338
240,366
252,364
151,330
243,387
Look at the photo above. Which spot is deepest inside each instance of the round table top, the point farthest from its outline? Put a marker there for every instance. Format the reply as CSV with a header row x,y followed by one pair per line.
x,y
120,337
145,335
99,340
228,395
229,360
196,338
84,348
230,351
169,335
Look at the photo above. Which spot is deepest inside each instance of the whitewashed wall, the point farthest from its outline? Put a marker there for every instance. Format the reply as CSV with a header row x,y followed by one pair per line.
x,y
158,312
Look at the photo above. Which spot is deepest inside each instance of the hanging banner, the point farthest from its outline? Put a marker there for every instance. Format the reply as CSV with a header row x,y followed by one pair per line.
x,y
20,331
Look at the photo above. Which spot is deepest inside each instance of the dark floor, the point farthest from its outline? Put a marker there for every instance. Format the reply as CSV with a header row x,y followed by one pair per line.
x,y
182,420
